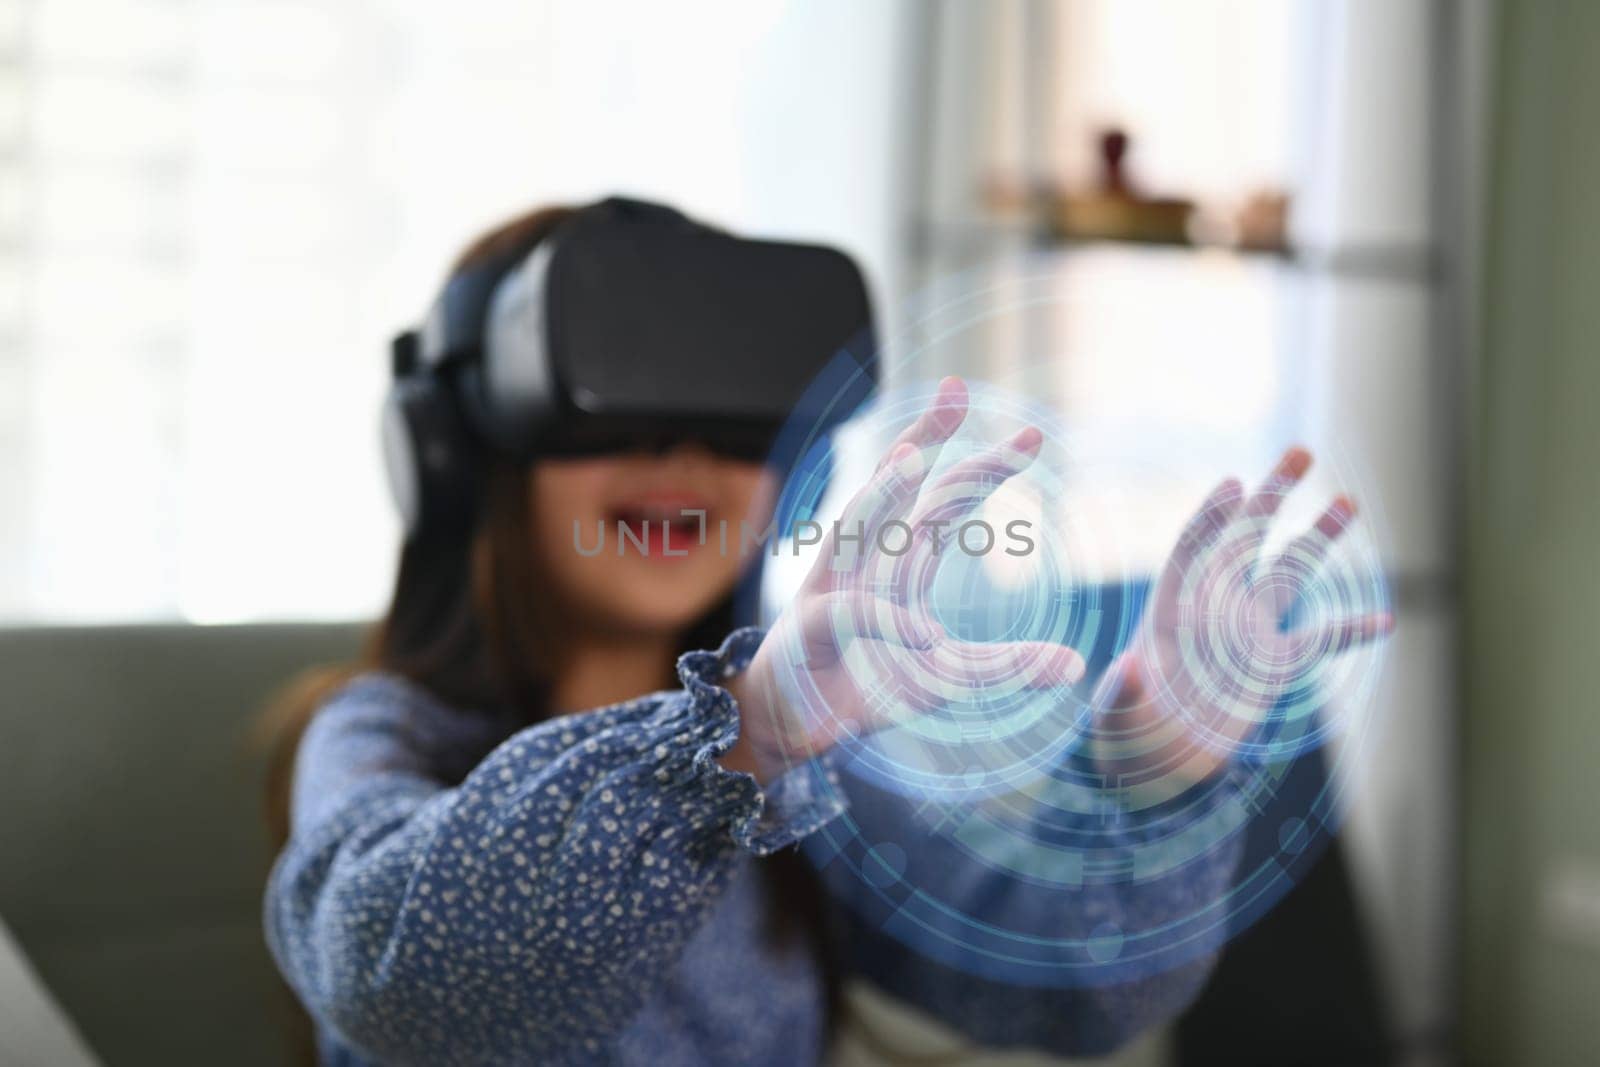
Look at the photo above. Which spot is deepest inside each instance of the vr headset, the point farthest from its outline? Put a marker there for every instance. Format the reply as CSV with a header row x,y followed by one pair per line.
x,y
627,327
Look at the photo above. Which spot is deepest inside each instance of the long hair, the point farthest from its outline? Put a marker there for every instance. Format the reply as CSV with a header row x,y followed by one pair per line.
x,y
469,622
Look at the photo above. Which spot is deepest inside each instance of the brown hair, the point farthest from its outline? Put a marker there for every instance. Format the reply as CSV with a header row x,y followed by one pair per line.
x,y
467,623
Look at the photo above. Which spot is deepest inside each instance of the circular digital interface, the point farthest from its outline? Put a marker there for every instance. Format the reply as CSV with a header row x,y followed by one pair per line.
x,y
1040,828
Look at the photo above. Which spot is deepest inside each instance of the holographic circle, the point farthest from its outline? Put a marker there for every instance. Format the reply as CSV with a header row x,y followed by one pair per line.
x,y
1026,834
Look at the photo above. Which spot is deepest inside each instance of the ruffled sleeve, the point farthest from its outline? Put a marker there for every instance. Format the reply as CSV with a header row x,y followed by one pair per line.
x,y
524,913
794,805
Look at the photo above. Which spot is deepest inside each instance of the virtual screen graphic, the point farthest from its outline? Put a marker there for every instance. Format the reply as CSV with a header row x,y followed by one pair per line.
x,y
1066,833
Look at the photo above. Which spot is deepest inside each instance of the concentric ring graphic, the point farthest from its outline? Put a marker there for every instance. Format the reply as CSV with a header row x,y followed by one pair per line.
x,y
1051,831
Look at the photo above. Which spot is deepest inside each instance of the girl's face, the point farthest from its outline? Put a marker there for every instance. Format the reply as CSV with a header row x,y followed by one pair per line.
x,y
619,536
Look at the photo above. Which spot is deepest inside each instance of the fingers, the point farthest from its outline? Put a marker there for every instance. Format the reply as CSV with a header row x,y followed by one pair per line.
x,y
893,485
961,489
1333,521
1301,559
1207,523
1288,472
1263,504
904,565
891,489
1347,633
935,425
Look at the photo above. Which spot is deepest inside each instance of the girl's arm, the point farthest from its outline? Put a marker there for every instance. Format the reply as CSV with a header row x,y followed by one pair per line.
x,y
525,913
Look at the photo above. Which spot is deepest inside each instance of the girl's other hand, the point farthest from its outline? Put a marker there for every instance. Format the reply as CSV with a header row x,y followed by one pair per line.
x,y
1215,652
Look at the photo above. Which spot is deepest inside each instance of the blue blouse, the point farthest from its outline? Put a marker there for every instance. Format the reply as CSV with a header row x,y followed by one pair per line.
x,y
584,890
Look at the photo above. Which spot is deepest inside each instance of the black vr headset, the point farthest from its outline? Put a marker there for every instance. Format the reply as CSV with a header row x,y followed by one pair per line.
x,y
628,327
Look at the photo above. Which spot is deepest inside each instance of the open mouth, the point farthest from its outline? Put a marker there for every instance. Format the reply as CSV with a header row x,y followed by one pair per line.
x,y
660,527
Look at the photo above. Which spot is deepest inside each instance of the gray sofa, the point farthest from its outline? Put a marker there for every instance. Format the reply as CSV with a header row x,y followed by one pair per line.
x,y
131,830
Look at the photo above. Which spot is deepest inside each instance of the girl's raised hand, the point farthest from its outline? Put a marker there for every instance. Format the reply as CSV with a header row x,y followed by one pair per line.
x,y
856,651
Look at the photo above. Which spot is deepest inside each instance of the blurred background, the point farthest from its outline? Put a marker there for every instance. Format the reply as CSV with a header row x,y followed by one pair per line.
x,y
1368,225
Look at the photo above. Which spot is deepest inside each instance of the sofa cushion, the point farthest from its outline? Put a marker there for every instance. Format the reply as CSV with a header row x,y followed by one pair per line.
x,y
130,819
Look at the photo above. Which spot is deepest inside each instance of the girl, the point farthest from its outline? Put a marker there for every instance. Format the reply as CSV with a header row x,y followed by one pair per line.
x,y
543,823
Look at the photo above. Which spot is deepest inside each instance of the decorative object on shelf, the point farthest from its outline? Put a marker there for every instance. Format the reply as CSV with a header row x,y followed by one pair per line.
x,y
1262,222
1116,210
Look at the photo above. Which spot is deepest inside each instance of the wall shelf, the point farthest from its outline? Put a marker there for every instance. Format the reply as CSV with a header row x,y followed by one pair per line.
x,y
1400,262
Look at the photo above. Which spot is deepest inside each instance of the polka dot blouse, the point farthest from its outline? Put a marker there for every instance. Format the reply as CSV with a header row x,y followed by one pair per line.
x,y
585,890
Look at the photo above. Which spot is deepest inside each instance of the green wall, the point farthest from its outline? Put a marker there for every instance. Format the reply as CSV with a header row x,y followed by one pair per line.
x,y
1531,985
